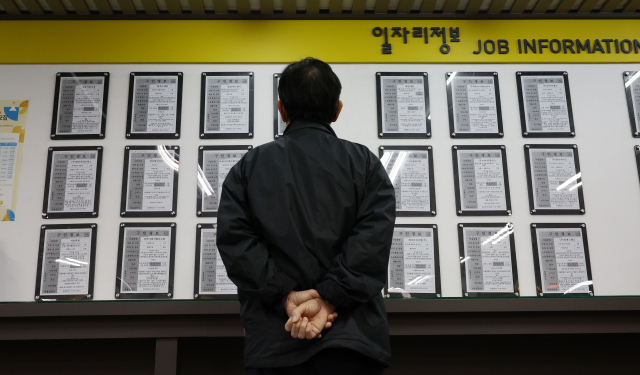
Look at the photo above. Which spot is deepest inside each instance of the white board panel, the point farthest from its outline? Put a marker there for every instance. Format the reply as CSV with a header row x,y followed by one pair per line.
x,y
611,186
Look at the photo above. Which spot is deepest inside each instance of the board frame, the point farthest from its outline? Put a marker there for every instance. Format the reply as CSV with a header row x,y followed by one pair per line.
x,y
47,185
125,184
199,192
172,135
456,178
169,294
576,161
450,99
427,106
514,262
54,122
196,278
66,297
203,101
276,120
626,76
636,149
523,118
436,261
536,258
432,184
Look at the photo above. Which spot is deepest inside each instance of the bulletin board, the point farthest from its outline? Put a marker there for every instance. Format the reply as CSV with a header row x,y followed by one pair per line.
x,y
602,130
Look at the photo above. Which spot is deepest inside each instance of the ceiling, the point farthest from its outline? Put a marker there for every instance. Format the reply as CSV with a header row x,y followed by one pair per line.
x,y
119,9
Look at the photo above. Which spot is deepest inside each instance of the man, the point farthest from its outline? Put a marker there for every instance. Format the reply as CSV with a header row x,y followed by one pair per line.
x,y
304,229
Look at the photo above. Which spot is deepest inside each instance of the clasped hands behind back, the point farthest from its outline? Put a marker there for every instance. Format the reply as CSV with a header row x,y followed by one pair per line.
x,y
308,314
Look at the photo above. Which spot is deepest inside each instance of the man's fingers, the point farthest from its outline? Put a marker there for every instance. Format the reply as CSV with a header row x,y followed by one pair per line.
x,y
294,332
312,331
295,316
332,317
295,328
312,328
298,328
302,332
306,295
309,318
297,313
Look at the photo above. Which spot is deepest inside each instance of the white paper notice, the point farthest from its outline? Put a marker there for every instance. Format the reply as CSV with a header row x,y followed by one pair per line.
x,y
73,181
409,173
488,264
87,108
234,105
551,169
483,114
213,274
146,260
411,114
560,170
481,180
419,265
553,107
635,97
150,181
80,188
414,183
216,164
490,184
80,105
157,193
74,279
563,264
66,262
281,124
496,266
161,115
8,163
546,108
228,104
403,104
153,265
158,107
412,266
224,285
570,262
475,107
224,167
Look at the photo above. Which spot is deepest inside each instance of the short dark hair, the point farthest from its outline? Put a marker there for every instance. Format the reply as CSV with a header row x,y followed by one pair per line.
x,y
310,90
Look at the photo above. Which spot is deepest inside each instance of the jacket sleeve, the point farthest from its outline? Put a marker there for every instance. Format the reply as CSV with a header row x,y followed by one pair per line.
x,y
245,257
359,272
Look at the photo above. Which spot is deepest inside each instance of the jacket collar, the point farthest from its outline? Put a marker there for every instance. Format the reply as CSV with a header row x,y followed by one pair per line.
x,y
308,124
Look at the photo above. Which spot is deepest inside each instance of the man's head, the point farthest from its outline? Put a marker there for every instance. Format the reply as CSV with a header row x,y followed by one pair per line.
x,y
309,90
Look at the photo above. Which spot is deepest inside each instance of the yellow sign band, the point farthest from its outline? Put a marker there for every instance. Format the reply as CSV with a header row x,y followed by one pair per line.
x,y
335,41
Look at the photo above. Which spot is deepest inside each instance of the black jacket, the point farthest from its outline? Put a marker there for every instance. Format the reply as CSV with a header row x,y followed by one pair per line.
x,y
308,211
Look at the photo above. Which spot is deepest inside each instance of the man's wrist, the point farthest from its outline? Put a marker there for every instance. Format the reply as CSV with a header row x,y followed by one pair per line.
x,y
332,307
330,291
328,305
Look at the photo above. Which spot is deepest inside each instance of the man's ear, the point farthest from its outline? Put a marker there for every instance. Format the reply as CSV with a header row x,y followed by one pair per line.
x,y
337,112
283,114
